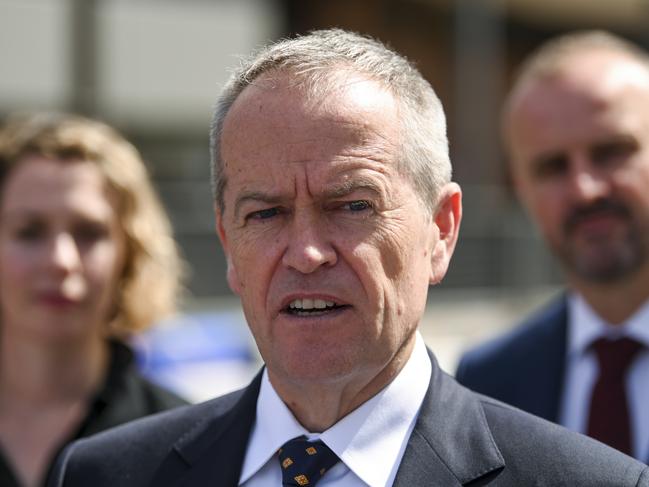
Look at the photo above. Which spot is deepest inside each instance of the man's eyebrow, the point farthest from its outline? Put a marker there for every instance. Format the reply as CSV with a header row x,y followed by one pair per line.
x,y
541,162
337,190
256,196
345,188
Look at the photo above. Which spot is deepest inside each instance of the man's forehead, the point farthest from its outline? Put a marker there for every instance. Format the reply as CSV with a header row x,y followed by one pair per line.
x,y
326,177
611,68
597,74
330,93
588,87
553,126
286,119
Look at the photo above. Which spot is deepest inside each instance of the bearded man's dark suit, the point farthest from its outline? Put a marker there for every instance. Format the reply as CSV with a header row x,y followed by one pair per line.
x,y
460,438
526,366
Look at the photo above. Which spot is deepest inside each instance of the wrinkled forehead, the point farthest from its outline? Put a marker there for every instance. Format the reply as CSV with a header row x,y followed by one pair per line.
x,y
279,112
275,137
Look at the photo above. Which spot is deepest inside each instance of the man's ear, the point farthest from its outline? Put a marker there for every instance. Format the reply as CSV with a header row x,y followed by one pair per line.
x,y
448,215
231,273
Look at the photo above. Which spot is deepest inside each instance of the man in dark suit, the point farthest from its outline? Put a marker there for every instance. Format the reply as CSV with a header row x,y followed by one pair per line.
x,y
576,126
336,210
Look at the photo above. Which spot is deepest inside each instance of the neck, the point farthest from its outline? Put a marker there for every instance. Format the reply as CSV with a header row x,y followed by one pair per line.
x,y
615,302
43,372
319,405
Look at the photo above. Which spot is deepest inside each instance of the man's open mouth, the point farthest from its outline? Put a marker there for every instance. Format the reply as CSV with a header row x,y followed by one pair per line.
x,y
312,307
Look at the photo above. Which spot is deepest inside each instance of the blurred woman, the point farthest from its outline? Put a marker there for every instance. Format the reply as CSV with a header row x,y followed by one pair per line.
x,y
86,260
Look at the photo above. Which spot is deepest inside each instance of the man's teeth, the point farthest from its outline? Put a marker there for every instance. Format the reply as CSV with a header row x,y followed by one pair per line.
x,y
306,304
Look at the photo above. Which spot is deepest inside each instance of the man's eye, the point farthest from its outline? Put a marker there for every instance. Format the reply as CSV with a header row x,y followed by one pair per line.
x,y
263,214
550,167
360,205
30,233
614,152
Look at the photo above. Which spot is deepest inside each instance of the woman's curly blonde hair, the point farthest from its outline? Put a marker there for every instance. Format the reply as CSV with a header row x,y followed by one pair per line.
x,y
151,279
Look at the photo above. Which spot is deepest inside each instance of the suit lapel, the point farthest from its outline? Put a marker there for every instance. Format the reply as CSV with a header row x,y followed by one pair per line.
x,y
212,452
451,443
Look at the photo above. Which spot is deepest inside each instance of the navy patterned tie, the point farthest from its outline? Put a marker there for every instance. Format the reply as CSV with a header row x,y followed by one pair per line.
x,y
609,412
304,462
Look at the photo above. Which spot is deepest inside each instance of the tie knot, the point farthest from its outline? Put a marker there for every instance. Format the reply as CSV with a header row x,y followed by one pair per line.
x,y
304,462
615,356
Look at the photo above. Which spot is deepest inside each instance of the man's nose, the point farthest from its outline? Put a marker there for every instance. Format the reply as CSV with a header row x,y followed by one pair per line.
x,y
64,253
309,247
587,185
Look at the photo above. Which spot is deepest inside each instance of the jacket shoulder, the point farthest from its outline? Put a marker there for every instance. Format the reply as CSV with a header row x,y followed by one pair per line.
x,y
154,398
504,353
541,325
534,448
130,454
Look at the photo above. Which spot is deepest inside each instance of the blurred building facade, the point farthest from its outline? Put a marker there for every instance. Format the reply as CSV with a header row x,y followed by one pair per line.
x,y
153,67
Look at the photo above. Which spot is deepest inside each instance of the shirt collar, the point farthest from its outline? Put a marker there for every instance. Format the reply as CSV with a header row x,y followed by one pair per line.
x,y
375,430
586,326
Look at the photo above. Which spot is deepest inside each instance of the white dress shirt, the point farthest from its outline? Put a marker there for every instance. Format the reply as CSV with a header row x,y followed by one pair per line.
x,y
370,440
582,368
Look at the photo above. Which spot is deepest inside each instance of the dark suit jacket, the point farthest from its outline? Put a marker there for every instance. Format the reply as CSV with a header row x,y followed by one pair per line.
x,y
460,438
525,367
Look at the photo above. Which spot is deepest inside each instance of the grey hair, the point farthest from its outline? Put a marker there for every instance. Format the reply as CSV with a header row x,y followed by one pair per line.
x,y
313,60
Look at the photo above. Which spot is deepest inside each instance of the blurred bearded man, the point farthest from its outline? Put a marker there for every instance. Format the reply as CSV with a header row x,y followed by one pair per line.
x,y
577,129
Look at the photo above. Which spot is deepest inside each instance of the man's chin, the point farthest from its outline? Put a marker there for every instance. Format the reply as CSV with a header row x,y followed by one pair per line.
x,y
602,269
305,361
600,261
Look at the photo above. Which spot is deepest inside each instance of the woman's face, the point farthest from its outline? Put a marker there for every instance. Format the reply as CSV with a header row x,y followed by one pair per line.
x,y
62,250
